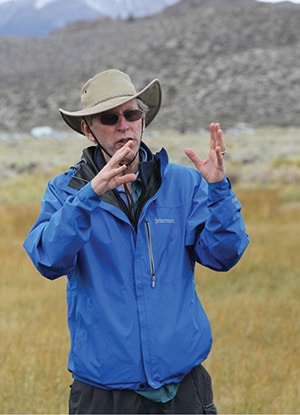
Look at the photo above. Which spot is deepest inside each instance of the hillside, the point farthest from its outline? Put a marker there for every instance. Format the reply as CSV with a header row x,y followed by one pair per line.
x,y
226,60
36,18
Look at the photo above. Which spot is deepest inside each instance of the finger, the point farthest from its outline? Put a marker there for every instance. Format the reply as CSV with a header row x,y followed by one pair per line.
x,y
220,139
217,140
118,170
120,154
110,172
220,156
213,135
126,178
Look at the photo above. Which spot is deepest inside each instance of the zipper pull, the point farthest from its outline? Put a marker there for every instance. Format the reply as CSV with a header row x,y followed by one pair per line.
x,y
153,280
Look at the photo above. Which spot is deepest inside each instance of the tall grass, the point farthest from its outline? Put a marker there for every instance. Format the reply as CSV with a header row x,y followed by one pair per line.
x,y
254,312
34,338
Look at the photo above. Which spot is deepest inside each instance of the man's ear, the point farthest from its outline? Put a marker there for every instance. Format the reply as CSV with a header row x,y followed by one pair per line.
x,y
87,131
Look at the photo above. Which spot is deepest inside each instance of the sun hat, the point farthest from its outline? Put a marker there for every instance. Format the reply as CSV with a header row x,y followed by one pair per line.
x,y
108,90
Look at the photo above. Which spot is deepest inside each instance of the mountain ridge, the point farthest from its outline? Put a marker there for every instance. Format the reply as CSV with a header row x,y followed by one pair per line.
x,y
230,61
35,18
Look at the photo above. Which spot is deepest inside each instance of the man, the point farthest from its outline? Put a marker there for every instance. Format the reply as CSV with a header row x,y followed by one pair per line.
x,y
127,227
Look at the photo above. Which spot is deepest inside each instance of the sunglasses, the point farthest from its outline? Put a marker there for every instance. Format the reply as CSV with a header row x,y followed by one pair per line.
x,y
111,118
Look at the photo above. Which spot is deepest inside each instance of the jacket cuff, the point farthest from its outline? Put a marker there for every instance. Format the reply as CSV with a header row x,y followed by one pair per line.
x,y
88,197
218,190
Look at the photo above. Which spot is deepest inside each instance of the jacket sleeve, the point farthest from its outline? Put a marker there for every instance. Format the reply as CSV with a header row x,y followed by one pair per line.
x,y
62,228
221,239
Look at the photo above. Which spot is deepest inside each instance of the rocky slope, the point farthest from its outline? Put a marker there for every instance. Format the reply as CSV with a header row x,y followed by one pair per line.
x,y
228,60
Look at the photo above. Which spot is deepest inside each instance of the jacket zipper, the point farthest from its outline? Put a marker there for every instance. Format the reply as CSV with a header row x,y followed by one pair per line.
x,y
150,250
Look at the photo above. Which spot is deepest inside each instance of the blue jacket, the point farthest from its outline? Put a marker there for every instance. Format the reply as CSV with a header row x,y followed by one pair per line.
x,y
134,316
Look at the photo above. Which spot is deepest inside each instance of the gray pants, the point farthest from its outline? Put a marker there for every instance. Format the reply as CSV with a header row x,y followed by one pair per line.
x,y
194,396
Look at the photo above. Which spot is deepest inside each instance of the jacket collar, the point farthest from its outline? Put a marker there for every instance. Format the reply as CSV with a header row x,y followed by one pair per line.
x,y
92,161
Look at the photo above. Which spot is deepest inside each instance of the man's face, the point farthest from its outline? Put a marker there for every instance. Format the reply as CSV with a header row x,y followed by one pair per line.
x,y
113,137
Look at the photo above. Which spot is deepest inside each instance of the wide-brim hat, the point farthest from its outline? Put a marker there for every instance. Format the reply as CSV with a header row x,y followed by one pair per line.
x,y
108,90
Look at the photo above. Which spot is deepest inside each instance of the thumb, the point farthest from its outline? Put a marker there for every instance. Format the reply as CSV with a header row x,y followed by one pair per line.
x,y
193,157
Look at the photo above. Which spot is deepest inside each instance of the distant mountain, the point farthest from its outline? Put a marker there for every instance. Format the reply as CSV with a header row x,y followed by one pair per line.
x,y
232,61
35,18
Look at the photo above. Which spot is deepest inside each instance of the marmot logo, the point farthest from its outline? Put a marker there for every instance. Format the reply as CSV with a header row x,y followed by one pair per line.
x,y
160,220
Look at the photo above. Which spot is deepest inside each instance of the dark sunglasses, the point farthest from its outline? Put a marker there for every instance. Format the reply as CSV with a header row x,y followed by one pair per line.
x,y
111,118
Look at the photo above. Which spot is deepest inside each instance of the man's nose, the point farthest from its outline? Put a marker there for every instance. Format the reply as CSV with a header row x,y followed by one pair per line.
x,y
122,123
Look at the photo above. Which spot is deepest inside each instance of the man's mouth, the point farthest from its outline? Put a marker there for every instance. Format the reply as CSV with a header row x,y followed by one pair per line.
x,y
123,141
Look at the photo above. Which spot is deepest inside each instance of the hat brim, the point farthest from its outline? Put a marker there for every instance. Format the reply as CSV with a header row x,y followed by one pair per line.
x,y
151,95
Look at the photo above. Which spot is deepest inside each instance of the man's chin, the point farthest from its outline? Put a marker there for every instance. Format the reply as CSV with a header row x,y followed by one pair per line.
x,y
130,158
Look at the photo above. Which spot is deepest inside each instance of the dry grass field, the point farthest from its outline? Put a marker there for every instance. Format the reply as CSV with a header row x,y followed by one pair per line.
x,y
254,308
